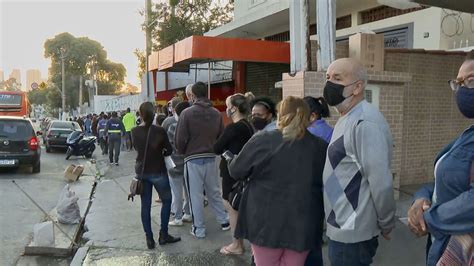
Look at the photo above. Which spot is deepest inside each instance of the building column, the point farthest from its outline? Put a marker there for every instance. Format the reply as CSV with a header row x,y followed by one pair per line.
x,y
299,35
326,32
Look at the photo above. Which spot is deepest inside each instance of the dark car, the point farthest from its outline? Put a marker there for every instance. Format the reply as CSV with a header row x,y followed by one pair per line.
x,y
19,144
57,133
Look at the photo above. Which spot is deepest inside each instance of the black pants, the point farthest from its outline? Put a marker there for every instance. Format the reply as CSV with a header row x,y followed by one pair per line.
x,y
114,145
104,145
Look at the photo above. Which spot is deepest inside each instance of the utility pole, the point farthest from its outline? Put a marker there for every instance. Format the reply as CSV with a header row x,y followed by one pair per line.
x,y
80,93
326,27
148,46
299,32
62,50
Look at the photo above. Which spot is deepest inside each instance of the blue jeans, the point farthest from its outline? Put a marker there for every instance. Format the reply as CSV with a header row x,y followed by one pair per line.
x,y
352,254
162,186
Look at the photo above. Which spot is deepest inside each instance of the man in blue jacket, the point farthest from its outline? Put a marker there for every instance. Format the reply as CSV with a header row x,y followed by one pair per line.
x,y
114,130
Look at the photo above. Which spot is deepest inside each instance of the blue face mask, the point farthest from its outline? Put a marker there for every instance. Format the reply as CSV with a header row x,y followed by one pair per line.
x,y
465,101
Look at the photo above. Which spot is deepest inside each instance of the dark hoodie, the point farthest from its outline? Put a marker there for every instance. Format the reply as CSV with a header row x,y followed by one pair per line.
x,y
198,129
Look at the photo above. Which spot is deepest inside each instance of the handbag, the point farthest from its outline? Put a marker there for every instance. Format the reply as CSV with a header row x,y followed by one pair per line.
x,y
136,186
235,195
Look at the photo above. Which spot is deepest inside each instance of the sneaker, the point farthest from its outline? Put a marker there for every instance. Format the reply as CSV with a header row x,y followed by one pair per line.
x,y
194,234
176,222
116,164
225,227
187,218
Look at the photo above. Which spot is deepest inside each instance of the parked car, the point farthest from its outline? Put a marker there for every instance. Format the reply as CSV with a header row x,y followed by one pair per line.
x,y
19,144
57,133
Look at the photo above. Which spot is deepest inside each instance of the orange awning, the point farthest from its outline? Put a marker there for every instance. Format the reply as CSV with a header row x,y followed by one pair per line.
x,y
203,49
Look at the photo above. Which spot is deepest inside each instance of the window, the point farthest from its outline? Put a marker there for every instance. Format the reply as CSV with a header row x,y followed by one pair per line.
x,y
383,12
372,95
256,2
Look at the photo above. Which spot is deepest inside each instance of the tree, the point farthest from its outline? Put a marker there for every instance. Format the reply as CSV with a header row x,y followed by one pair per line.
x,y
179,19
129,89
84,57
10,84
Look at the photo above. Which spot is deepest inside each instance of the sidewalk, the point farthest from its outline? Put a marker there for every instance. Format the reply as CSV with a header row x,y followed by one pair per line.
x,y
115,235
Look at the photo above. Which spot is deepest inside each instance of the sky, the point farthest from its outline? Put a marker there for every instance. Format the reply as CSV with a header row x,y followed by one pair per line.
x,y
26,24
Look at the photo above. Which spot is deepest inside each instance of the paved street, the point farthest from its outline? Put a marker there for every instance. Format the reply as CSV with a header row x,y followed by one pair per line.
x,y
115,234
18,214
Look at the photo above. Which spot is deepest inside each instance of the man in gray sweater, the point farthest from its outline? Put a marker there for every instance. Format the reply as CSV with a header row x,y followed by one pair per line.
x,y
358,190
198,129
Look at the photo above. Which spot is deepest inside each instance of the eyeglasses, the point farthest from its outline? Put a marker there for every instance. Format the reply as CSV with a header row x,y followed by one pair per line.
x,y
467,82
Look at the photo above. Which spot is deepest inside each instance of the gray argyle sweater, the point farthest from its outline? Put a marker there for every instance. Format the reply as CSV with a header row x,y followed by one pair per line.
x,y
358,191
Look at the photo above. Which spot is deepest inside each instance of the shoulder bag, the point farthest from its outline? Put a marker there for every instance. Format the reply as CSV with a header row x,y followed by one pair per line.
x,y
136,187
235,195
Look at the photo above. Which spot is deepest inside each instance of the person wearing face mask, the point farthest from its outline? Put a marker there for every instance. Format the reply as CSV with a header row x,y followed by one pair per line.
x,y
445,209
358,190
263,114
233,139
319,110
170,119
176,175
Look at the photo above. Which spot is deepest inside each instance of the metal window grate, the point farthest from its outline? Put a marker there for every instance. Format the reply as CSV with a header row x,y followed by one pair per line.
x,y
383,12
368,96
344,22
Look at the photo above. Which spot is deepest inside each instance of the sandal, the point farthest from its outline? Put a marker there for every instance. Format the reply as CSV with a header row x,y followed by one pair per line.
x,y
226,251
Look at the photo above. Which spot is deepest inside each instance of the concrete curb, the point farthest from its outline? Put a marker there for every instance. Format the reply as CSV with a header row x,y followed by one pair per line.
x,y
79,256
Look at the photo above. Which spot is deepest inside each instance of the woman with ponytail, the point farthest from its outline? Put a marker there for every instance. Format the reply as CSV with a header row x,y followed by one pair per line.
x,y
233,140
319,109
281,212
152,144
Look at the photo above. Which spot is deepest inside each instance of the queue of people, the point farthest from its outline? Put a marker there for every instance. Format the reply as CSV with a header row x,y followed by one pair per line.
x,y
286,174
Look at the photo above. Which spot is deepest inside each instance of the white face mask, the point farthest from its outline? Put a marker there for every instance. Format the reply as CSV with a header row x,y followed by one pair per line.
x,y
176,116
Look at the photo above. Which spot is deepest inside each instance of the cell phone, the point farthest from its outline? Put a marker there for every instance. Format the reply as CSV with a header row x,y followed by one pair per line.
x,y
228,155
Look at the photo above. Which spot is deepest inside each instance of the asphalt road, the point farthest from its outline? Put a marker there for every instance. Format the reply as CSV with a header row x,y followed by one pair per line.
x,y
18,214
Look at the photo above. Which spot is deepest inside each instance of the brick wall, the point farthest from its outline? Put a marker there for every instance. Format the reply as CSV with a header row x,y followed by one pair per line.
x,y
414,98
392,86
431,118
342,50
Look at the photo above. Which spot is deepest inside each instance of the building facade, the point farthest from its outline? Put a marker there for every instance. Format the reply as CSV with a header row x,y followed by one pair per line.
x,y
415,27
32,76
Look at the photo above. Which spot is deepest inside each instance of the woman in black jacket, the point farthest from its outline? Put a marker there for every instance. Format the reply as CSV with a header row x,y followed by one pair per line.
x,y
152,171
233,139
281,212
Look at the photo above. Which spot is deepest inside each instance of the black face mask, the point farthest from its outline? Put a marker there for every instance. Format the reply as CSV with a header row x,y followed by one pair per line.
x,y
259,123
465,101
334,93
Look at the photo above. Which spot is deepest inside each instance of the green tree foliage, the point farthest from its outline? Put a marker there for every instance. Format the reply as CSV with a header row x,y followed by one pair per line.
x,y
83,57
10,84
175,20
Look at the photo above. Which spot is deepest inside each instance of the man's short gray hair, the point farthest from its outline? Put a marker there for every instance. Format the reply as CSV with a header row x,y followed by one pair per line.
x,y
361,74
189,89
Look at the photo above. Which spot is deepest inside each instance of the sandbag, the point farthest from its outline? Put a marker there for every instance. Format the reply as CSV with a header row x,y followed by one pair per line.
x,y
43,234
67,207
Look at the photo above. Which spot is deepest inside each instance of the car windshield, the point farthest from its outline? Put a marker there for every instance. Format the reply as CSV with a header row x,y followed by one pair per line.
x,y
65,125
15,129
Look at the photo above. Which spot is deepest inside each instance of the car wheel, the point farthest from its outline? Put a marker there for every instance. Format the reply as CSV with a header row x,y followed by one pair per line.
x,y
37,168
